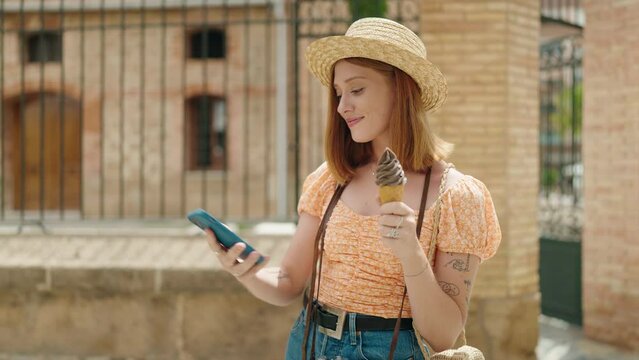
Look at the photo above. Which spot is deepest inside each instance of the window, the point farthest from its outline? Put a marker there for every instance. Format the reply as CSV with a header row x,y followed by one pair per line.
x,y
206,131
43,46
207,44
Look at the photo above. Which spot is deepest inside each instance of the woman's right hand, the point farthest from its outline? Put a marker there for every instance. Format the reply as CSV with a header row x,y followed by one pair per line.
x,y
228,258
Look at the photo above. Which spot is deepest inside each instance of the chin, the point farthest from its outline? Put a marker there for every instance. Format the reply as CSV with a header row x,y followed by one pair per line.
x,y
361,139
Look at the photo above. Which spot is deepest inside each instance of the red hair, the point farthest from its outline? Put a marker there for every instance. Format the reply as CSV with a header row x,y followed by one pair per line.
x,y
411,139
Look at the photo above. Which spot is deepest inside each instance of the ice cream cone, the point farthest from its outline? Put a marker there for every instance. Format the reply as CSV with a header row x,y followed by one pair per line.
x,y
391,193
390,178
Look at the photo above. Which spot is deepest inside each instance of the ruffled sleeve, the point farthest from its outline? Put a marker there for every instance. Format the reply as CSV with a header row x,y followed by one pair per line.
x,y
468,222
316,192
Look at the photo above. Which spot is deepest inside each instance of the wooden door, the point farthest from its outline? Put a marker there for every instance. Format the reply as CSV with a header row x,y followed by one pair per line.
x,y
51,154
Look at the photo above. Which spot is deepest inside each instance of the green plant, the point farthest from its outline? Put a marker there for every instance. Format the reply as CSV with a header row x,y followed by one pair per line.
x,y
549,178
367,8
562,118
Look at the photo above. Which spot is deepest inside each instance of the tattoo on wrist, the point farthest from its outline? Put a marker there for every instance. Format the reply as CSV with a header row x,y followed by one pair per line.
x,y
459,264
282,275
449,288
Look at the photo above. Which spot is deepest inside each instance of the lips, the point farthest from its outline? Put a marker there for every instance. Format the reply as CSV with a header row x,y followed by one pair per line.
x,y
353,121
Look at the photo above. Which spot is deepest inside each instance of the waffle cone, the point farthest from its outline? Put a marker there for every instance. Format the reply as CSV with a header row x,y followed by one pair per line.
x,y
391,193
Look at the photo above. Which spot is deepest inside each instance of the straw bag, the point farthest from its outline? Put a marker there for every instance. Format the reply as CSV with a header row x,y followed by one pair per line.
x,y
463,352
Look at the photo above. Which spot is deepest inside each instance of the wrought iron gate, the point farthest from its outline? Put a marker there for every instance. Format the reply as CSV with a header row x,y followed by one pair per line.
x,y
561,178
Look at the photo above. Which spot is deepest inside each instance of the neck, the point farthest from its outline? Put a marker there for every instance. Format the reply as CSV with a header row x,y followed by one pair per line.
x,y
379,145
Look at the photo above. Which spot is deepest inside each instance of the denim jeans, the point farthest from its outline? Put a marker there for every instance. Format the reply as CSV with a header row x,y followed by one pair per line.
x,y
354,345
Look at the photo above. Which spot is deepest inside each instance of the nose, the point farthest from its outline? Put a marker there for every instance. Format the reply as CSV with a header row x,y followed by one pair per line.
x,y
344,106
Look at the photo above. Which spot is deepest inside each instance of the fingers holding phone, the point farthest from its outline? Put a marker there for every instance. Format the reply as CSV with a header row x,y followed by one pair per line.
x,y
231,259
236,255
215,245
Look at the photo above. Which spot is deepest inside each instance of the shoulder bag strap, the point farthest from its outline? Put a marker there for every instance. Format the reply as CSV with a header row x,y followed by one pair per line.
x,y
461,340
318,250
431,258
418,230
436,216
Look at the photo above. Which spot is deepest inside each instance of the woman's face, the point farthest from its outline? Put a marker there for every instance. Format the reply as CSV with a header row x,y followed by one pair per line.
x,y
365,100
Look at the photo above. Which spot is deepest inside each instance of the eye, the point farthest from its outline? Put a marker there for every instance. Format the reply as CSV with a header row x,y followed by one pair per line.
x,y
357,91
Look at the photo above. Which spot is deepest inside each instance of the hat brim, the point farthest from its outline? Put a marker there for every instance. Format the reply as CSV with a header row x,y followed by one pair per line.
x,y
322,54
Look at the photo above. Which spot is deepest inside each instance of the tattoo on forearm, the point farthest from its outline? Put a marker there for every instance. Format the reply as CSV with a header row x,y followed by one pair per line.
x,y
459,264
449,288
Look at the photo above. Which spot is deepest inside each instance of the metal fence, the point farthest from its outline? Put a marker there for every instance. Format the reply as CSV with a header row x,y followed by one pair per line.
x,y
116,109
561,181
561,165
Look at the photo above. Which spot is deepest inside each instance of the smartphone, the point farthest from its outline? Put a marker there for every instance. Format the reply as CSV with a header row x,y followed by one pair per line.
x,y
224,235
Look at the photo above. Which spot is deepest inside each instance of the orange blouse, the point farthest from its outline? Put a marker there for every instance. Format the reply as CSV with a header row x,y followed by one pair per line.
x,y
361,275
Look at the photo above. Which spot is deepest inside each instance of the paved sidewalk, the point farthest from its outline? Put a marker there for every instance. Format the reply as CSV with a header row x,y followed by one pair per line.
x,y
559,340
122,245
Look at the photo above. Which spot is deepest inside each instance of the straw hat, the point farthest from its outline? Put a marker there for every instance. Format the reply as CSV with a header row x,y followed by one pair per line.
x,y
383,40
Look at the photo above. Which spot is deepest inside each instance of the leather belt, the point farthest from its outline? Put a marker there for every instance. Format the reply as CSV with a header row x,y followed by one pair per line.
x,y
332,321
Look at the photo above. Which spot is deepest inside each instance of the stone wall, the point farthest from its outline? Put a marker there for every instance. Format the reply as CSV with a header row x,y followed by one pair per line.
x,y
134,297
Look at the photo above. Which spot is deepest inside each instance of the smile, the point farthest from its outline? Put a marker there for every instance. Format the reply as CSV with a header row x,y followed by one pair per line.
x,y
353,121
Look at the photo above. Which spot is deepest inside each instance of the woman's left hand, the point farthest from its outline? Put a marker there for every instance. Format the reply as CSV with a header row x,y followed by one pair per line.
x,y
397,226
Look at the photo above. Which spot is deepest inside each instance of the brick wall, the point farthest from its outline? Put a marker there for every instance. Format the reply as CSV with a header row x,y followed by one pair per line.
x,y
610,152
488,51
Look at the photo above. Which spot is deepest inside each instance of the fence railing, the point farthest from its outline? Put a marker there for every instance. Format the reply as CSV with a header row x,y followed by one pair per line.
x,y
115,109
561,181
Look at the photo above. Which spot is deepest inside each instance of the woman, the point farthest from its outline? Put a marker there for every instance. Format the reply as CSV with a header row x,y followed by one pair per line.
x,y
381,86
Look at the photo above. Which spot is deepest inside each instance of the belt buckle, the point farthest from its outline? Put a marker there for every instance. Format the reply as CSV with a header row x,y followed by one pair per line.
x,y
341,318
